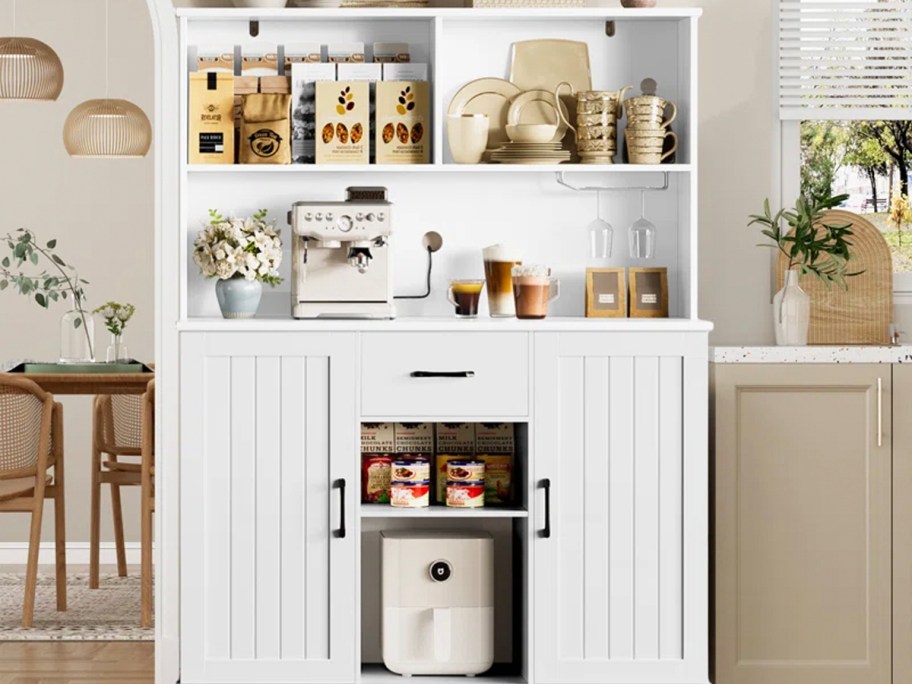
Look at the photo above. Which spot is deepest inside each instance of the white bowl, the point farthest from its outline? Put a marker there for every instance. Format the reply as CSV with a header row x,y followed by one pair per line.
x,y
532,133
260,4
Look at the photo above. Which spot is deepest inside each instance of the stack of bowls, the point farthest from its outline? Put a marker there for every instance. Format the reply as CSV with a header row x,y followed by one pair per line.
x,y
648,119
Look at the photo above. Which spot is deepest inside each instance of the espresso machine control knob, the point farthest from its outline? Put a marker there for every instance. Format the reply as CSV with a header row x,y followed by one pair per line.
x,y
370,217
329,216
319,216
345,223
381,216
308,216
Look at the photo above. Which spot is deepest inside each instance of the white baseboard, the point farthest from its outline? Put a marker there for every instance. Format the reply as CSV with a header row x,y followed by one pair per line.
x,y
16,553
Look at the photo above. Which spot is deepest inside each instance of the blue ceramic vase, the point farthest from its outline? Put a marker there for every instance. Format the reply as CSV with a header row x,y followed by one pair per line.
x,y
238,297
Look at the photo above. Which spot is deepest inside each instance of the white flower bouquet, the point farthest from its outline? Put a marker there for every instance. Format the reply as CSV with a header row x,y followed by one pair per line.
x,y
248,248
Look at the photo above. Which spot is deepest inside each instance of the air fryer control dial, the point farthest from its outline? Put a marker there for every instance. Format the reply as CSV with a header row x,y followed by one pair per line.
x,y
440,571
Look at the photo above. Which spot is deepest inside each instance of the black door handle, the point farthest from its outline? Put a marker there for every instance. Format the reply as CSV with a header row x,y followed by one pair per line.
x,y
546,485
340,485
443,374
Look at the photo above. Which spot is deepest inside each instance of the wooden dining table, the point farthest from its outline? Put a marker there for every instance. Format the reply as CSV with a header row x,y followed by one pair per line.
x,y
89,383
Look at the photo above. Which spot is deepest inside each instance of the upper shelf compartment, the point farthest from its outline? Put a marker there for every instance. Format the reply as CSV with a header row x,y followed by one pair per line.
x,y
520,14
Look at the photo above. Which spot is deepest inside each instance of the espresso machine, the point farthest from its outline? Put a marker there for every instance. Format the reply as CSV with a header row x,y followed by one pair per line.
x,y
341,257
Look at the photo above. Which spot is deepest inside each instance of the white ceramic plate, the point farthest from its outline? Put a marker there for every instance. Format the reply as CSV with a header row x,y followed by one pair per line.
x,y
537,107
491,96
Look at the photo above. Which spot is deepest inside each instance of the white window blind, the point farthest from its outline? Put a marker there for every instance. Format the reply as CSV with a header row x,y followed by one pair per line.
x,y
845,59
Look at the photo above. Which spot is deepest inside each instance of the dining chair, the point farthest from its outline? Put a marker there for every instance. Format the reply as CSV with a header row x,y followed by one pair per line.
x,y
123,431
31,444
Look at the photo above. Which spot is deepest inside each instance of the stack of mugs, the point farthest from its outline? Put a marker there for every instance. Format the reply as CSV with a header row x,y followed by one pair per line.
x,y
597,112
648,128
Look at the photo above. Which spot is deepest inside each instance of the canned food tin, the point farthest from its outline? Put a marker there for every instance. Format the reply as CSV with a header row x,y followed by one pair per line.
x,y
466,471
417,470
465,494
411,494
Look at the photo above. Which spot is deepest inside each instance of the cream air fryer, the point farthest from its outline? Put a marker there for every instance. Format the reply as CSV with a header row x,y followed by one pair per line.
x,y
438,602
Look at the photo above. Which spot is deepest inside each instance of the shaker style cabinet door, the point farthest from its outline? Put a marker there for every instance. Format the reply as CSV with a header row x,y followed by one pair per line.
x,y
268,431
902,523
620,470
802,524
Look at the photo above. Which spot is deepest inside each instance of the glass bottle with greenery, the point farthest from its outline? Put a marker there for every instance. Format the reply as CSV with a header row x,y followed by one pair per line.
x,y
57,281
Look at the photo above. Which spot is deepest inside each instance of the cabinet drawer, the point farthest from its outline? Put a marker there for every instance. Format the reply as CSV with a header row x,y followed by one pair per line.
x,y
489,374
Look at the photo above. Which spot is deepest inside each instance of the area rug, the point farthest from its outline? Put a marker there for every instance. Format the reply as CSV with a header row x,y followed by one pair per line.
x,y
109,613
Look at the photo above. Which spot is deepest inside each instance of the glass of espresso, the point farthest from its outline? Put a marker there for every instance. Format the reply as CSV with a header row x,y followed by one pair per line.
x,y
533,289
499,261
465,295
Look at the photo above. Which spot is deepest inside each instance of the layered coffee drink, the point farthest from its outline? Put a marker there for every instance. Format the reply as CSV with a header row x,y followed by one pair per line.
x,y
533,289
465,295
499,261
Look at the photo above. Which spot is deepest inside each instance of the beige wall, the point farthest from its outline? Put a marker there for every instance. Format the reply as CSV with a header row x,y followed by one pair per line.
x,y
100,212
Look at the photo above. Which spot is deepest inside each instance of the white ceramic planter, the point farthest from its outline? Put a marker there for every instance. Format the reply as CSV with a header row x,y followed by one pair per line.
x,y
791,313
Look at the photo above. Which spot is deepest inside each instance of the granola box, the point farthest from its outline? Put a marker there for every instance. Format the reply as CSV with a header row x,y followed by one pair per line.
x,y
403,126
343,122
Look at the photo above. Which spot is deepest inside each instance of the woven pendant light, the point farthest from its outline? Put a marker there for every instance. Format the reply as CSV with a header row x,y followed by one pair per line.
x,y
107,127
29,69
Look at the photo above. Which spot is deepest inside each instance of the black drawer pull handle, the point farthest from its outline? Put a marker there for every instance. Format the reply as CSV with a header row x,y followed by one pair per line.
x,y
546,485
443,374
340,485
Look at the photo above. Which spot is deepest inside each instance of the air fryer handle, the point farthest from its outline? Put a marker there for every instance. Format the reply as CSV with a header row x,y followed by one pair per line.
x,y
340,485
546,485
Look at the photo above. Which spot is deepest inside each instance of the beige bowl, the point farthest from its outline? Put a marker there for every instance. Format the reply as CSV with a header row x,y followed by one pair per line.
x,y
532,133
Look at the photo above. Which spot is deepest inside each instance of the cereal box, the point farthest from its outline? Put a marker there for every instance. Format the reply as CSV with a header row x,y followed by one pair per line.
x,y
403,124
343,122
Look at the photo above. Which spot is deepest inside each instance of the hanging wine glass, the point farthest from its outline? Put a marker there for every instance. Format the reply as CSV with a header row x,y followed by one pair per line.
x,y
601,233
642,234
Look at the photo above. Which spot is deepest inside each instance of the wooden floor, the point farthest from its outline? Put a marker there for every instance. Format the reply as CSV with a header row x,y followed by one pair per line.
x,y
42,662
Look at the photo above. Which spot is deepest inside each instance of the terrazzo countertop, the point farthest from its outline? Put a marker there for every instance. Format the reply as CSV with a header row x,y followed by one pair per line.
x,y
815,354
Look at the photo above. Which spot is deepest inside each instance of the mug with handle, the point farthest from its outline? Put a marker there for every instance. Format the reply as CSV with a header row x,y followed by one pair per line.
x,y
589,102
644,146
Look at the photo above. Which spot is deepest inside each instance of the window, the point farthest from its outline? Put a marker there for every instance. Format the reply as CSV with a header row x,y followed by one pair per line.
x,y
845,103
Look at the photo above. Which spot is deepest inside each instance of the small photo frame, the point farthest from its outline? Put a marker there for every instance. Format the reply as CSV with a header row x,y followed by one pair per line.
x,y
606,293
648,292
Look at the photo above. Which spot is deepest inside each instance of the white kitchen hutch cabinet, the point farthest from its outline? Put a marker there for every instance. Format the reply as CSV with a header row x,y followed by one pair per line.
x,y
268,566
601,576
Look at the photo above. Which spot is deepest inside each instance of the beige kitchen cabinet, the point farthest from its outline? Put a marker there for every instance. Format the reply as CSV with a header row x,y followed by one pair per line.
x,y
902,524
803,548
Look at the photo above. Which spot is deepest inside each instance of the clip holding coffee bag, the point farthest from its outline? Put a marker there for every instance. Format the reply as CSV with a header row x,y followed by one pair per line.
x,y
211,118
265,129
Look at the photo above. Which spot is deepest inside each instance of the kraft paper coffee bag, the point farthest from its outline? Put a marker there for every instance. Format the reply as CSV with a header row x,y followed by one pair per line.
x,y
211,118
266,129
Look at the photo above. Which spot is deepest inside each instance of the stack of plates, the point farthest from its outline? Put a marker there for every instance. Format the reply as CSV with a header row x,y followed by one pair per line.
x,y
530,153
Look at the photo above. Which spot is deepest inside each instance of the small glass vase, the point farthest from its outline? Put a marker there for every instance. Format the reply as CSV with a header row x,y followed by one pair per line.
x,y
117,350
791,313
77,337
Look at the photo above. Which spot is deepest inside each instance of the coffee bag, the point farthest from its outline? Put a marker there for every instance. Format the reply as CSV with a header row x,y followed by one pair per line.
x,y
265,129
211,118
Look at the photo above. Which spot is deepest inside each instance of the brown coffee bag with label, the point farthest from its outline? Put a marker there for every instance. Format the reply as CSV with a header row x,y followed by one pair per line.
x,y
266,129
211,118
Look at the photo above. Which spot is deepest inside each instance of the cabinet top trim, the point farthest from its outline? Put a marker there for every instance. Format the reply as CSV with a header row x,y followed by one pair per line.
x,y
447,324
455,13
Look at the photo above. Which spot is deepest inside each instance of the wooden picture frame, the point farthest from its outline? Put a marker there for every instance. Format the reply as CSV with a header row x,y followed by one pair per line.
x,y
648,292
606,293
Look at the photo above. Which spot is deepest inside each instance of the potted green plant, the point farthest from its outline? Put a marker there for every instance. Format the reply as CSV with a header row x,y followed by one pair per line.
x,y
812,246
59,281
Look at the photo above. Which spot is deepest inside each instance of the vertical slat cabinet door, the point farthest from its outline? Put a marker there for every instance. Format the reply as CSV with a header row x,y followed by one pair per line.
x,y
620,469
802,492
268,439
902,523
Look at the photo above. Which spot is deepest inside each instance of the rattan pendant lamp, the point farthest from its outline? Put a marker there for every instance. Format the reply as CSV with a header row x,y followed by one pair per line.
x,y
107,127
29,69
